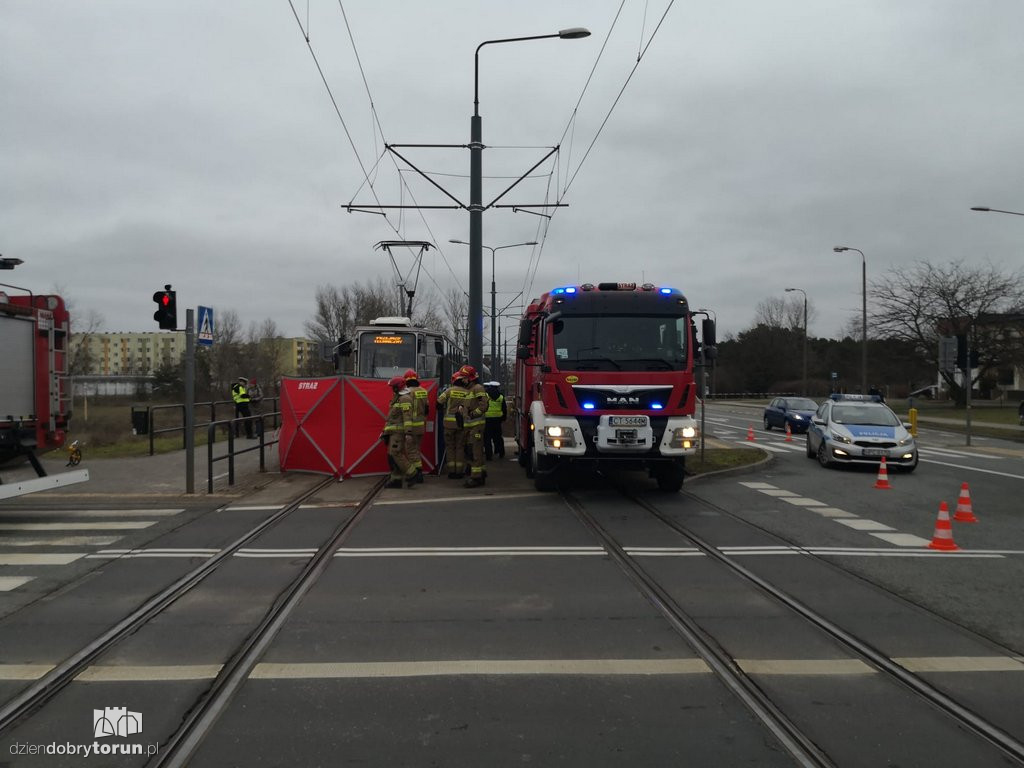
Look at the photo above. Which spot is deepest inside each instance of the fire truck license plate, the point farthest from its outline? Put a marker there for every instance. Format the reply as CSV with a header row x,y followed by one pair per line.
x,y
627,421
625,435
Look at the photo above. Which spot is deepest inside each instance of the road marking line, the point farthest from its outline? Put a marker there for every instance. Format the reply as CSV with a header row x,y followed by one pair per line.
x,y
902,539
958,454
470,552
80,513
779,493
765,446
124,674
125,525
759,486
805,667
973,469
60,541
446,499
962,664
7,583
860,524
278,671
23,671
36,558
801,501
832,512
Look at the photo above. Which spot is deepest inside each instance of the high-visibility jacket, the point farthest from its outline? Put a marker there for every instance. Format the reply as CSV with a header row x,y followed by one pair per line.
x,y
400,413
239,393
420,410
453,400
476,405
495,407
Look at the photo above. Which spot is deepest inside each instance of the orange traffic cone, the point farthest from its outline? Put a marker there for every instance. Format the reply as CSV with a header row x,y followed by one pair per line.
x,y
943,537
789,433
883,476
750,433
964,513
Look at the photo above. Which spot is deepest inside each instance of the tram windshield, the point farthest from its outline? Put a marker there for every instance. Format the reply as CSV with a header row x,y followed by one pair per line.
x,y
619,343
383,354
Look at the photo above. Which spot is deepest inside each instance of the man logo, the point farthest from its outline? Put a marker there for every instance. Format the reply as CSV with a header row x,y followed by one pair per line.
x,y
115,721
623,400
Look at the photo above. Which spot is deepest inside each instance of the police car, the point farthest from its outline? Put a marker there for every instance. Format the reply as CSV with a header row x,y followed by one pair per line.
x,y
859,429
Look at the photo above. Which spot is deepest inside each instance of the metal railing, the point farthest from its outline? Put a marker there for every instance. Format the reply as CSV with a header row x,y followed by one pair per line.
x,y
151,411
258,423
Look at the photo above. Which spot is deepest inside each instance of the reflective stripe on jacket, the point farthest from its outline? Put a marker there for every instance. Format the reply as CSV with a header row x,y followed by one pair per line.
x,y
495,407
453,400
476,405
399,414
420,408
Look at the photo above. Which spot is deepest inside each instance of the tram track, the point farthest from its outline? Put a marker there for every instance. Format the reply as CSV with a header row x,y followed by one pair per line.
x,y
792,738
29,701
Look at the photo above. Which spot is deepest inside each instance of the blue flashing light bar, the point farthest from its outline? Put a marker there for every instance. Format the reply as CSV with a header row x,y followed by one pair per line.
x,y
656,406
589,406
666,291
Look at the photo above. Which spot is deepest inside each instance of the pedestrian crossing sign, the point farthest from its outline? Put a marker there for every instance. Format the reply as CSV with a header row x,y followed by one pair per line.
x,y
205,334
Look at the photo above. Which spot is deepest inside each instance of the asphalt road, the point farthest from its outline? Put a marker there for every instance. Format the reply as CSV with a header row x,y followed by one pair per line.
x,y
488,627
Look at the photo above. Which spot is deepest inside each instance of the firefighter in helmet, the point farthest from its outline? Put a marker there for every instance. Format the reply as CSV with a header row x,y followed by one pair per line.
x,y
418,425
452,402
476,410
396,428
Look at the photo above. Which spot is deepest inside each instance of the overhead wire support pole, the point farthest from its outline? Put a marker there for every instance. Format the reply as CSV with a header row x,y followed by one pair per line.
x,y
515,183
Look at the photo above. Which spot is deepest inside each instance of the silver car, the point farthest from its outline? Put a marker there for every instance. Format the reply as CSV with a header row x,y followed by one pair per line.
x,y
859,429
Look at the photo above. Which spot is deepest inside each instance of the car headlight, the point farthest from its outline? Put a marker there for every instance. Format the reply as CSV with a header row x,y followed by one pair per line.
x,y
797,417
841,438
906,441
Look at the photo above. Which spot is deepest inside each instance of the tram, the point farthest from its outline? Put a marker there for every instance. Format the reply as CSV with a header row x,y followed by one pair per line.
x,y
389,346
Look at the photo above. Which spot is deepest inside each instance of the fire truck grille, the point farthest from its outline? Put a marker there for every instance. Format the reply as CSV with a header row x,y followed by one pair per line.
x,y
612,400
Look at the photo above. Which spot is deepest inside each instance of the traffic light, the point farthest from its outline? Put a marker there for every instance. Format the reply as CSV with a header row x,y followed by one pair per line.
x,y
961,354
167,309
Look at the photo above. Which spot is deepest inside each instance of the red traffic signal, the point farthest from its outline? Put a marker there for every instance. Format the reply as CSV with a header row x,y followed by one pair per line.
x,y
167,309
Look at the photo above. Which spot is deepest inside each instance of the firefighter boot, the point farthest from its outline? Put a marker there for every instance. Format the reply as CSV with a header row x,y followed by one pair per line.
x,y
418,477
394,483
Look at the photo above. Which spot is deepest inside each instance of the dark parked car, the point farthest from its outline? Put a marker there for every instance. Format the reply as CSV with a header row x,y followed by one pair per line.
x,y
795,411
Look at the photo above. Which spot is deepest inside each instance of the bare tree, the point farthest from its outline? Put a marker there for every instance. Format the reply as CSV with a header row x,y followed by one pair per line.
x,y
921,303
779,312
456,314
82,330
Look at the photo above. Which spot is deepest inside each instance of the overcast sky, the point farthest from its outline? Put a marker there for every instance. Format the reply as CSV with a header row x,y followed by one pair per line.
x,y
194,143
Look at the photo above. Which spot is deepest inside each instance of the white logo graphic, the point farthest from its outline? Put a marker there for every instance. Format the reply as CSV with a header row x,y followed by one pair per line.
x,y
115,721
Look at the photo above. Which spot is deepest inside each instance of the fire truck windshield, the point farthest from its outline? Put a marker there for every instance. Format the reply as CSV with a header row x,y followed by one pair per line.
x,y
619,343
385,353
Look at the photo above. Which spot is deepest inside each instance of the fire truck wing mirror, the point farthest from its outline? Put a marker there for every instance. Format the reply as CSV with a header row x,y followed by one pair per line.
x,y
707,332
522,353
552,316
710,353
345,347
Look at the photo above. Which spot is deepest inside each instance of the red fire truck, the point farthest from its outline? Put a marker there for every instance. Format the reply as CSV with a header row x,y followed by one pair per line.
x,y
605,377
35,389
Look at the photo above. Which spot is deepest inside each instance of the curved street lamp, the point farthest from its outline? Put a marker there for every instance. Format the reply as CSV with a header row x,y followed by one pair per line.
x,y
996,210
476,206
494,349
801,290
864,315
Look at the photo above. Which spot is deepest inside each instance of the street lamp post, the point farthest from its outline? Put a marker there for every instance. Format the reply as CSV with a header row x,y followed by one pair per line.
x,y
476,206
788,290
494,314
864,315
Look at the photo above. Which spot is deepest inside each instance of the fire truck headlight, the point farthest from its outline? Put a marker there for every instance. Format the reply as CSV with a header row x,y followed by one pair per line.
x,y
683,437
559,437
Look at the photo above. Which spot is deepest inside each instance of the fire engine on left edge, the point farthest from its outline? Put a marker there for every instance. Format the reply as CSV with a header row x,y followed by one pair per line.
x,y
35,385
